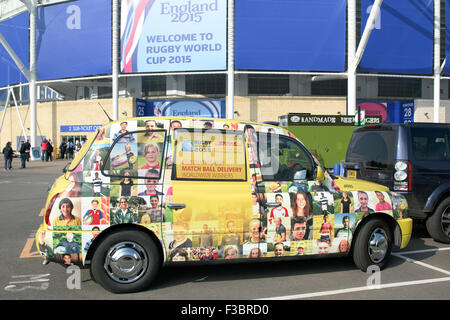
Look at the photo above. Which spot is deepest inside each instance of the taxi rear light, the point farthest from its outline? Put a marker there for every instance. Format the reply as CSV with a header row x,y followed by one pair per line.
x,y
49,208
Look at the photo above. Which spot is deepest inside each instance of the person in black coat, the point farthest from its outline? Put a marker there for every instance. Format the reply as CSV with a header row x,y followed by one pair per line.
x,y
23,154
63,148
8,153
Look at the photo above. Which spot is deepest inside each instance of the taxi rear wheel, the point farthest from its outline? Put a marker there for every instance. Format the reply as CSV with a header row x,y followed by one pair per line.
x,y
373,245
125,261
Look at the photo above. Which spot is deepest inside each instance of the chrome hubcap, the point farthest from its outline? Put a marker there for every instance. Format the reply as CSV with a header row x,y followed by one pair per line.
x,y
445,221
126,262
378,245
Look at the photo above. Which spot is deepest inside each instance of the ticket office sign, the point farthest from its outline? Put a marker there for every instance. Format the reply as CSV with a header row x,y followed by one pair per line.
x,y
210,156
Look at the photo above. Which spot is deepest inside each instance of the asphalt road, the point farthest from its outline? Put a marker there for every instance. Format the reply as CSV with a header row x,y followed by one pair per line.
x,y
420,271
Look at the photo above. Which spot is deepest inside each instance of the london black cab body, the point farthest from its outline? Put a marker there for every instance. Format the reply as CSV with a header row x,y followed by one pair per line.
x,y
146,192
412,159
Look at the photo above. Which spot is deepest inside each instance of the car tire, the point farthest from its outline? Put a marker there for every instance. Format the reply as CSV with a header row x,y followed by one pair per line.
x,y
126,261
373,245
438,224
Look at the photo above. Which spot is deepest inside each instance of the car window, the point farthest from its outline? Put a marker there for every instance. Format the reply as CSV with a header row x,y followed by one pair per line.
x,y
430,144
135,153
373,149
282,157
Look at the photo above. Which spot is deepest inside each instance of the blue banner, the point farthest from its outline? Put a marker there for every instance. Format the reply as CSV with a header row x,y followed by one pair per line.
x,y
181,108
306,35
74,39
80,128
402,38
447,38
173,35
16,33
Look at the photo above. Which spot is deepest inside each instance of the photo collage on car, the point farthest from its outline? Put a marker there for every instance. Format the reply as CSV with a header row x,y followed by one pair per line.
x,y
134,171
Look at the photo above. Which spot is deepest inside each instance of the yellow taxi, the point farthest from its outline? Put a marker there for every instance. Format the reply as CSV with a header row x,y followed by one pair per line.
x,y
146,192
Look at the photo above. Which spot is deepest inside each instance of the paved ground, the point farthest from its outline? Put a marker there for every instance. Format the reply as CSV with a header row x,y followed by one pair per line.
x,y
421,271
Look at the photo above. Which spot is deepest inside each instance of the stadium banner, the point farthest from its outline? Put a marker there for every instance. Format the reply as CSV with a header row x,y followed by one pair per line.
x,y
402,39
74,39
307,35
447,38
207,108
16,32
173,35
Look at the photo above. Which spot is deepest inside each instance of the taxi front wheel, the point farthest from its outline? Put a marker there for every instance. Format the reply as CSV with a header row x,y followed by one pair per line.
x,y
373,245
125,261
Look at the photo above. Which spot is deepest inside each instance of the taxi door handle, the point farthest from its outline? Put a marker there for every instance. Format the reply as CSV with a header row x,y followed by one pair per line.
x,y
272,204
176,206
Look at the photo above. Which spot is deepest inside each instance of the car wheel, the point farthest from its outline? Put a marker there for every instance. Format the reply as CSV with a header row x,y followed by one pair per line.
x,y
438,224
373,245
126,261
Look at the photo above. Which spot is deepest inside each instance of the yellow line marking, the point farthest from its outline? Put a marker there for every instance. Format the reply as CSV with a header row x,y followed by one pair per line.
x,y
26,251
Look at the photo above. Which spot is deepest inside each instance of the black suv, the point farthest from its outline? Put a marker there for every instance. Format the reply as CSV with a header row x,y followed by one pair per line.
x,y
412,159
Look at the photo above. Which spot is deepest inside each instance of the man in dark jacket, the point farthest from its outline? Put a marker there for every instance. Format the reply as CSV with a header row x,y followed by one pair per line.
x,y
27,149
62,148
8,153
23,154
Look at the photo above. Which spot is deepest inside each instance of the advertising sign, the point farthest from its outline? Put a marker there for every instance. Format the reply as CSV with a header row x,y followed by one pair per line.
x,y
402,38
392,111
290,35
306,119
373,108
181,108
173,35
80,128
210,155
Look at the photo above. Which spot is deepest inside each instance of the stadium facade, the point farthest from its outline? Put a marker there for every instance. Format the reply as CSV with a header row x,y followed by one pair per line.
x,y
97,60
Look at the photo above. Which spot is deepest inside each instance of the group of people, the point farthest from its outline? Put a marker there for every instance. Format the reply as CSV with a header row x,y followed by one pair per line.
x,y
69,149
46,150
8,154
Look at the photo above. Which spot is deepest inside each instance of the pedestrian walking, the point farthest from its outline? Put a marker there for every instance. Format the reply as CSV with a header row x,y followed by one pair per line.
x,y
23,154
8,154
44,155
49,150
63,148
70,148
27,149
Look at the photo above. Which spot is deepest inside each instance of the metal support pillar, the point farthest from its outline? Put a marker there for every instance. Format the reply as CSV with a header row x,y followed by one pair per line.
x,y
115,59
230,67
354,56
351,48
437,61
33,76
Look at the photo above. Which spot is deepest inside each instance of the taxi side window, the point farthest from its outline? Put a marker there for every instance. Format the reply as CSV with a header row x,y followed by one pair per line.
x,y
283,159
134,153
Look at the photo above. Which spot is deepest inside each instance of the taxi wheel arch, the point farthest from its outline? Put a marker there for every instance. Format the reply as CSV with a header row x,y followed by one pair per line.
x,y
129,240
376,225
